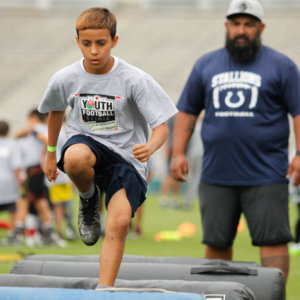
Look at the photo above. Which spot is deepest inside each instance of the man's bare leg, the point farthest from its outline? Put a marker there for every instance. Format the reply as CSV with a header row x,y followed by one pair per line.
x,y
276,256
218,253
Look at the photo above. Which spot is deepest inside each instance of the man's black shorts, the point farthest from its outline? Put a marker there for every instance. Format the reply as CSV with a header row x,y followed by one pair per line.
x,y
264,207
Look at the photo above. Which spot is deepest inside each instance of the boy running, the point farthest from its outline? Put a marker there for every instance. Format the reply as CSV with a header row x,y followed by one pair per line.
x,y
112,103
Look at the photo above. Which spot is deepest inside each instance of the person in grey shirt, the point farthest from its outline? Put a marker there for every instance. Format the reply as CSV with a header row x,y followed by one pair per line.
x,y
112,104
10,172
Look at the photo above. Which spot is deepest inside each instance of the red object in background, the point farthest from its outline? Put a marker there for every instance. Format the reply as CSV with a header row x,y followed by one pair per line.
x,y
4,224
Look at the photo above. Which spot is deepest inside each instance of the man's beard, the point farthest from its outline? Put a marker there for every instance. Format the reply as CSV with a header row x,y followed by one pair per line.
x,y
246,52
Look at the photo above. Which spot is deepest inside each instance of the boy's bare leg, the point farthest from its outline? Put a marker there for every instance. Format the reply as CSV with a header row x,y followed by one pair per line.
x,y
79,161
116,229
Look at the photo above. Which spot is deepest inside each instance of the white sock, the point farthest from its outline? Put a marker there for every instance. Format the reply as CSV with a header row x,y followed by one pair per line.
x,y
90,193
102,286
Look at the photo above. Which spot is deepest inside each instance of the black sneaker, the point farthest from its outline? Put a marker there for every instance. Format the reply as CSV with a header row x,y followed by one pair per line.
x,y
89,218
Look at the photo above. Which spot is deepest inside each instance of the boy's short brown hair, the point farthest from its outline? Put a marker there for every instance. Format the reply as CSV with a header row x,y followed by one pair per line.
x,y
97,18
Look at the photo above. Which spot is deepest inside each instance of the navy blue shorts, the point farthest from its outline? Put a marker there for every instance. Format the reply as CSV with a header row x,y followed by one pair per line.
x,y
112,172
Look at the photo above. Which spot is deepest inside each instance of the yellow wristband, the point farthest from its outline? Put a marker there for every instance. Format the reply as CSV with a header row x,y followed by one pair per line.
x,y
51,149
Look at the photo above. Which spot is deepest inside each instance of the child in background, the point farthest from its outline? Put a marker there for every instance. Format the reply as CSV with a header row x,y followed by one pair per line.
x,y
33,146
10,174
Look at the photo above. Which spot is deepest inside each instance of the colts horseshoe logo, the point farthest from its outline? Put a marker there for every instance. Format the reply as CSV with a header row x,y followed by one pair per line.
x,y
240,95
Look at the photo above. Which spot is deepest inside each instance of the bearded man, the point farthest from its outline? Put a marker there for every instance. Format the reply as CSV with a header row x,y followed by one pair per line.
x,y
247,91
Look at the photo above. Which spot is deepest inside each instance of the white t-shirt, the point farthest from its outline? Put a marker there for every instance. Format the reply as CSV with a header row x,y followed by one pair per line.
x,y
114,108
10,160
32,148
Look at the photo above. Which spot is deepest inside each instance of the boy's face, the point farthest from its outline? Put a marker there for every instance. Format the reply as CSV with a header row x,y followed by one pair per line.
x,y
96,45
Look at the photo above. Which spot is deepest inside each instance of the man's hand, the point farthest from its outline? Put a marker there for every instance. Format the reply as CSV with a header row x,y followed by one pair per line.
x,y
179,168
141,152
294,168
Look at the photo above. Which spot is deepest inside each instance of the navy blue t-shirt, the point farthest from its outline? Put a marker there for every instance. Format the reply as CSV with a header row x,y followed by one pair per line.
x,y
245,129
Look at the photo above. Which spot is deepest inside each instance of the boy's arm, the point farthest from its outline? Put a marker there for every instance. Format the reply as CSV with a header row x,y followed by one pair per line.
x,y
142,152
55,121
